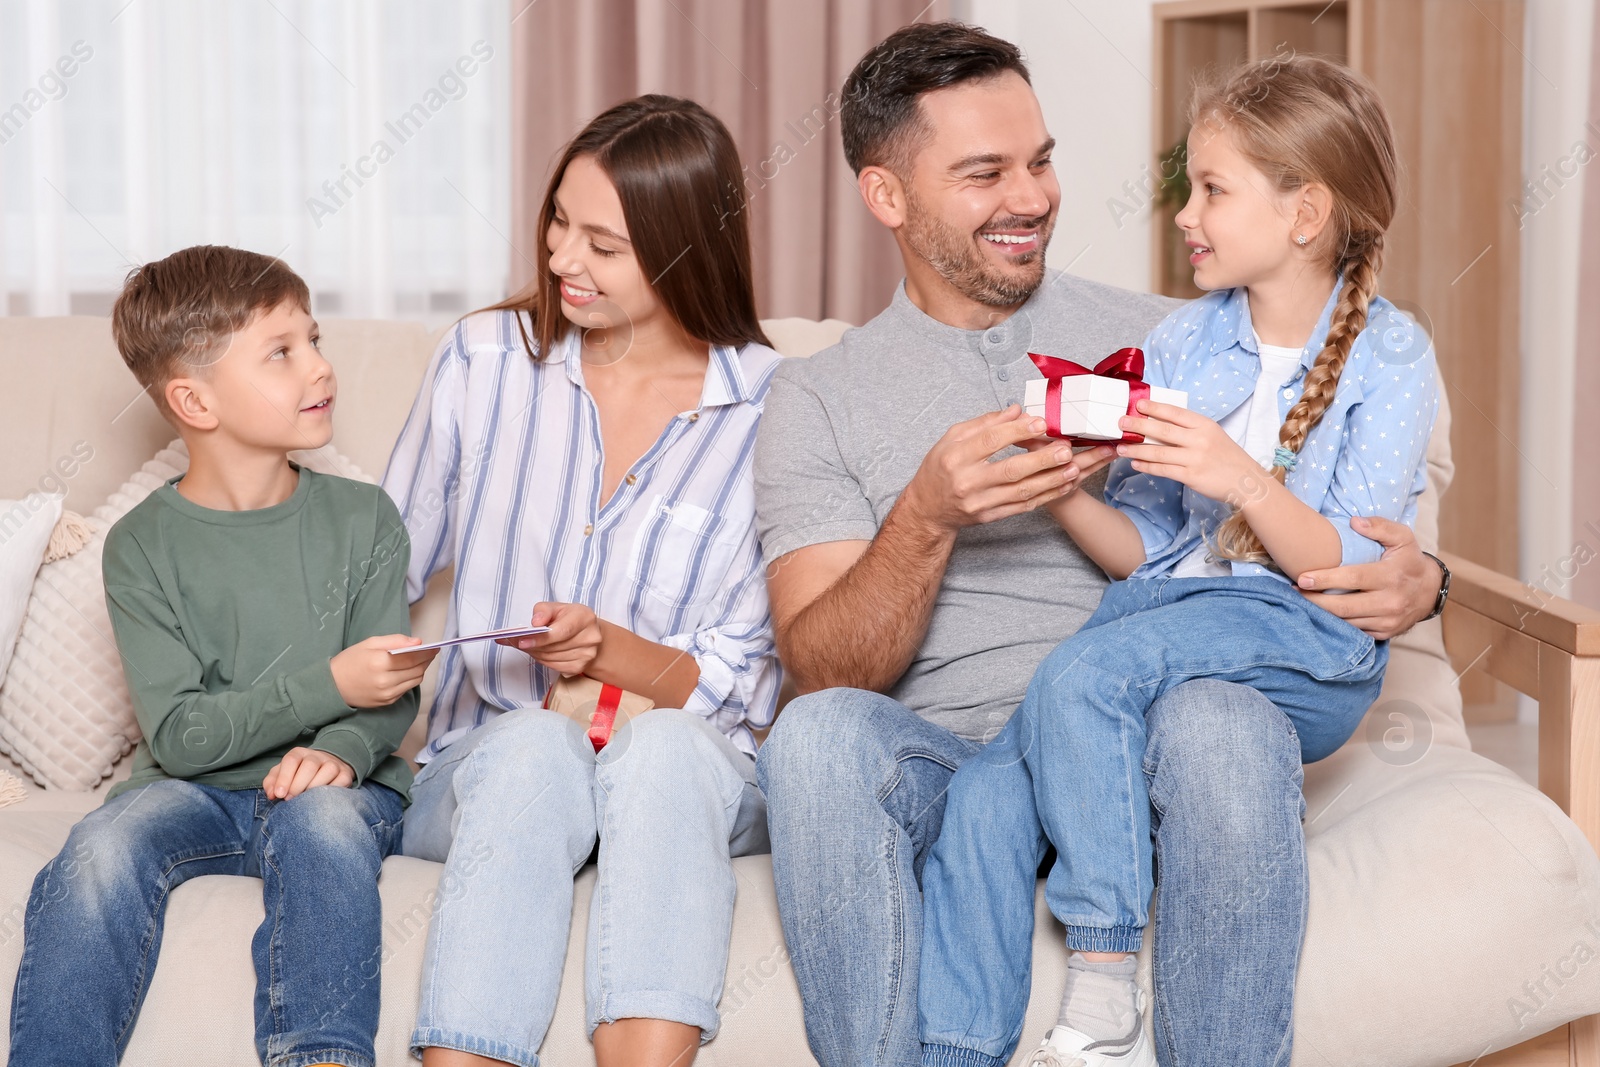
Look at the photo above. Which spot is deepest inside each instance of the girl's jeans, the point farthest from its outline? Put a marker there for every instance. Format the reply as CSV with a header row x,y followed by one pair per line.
x,y
1077,747
93,926
513,809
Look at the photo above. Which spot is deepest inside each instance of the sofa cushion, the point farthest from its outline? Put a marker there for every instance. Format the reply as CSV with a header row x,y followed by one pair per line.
x,y
87,425
25,527
1442,891
65,714
1454,911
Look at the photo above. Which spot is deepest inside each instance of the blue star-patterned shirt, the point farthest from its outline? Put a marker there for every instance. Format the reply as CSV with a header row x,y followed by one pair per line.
x,y
1366,456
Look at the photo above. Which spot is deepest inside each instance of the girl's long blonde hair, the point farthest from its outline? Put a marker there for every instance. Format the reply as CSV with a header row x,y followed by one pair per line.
x,y
1303,120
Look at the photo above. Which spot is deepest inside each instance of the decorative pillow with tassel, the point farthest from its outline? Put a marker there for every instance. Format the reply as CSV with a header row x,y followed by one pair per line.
x,y
65,713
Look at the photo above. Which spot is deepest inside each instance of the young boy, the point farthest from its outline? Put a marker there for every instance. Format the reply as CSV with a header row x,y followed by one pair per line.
x,y
253,602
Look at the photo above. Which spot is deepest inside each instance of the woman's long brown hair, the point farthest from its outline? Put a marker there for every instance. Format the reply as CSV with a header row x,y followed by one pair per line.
x,y
1304,120
678,175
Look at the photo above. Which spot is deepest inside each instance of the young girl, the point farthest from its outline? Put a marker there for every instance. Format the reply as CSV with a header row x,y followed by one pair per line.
x,y
1307,408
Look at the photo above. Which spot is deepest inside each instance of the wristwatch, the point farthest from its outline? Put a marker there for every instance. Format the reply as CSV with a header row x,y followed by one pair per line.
x,y
1444,588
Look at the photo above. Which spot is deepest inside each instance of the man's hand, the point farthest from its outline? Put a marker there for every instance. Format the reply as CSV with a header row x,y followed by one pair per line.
x,y
572,642
306,768
957,485
1081,465
1386,598
368,677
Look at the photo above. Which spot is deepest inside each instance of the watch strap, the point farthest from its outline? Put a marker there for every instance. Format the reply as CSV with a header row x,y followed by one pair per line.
x,y
1444,588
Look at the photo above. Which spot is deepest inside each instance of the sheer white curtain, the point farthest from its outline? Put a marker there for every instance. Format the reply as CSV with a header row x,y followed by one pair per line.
x,y
366,143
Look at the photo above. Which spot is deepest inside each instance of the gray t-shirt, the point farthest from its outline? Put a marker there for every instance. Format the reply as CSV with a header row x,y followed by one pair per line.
x,y
844,431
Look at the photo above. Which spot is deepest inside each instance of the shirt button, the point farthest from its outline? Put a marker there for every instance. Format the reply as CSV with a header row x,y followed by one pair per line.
x,y
633,479
996,337
1002,374
1288,394
588,529
694,416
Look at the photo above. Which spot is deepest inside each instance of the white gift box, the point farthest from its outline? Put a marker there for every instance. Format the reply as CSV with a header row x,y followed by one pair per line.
x,y
1091,405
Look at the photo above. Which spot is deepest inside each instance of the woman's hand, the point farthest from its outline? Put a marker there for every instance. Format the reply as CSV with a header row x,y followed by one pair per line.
x,y
1193,450
570,645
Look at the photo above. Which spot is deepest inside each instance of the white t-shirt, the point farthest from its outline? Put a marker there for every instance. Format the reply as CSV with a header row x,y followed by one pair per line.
x,y
1254,425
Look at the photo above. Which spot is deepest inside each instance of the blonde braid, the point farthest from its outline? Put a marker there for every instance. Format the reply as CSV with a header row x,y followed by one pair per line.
x,y
1234,539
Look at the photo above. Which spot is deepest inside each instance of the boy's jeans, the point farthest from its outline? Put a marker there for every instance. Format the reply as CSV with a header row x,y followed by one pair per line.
x,y
1076,750
93,927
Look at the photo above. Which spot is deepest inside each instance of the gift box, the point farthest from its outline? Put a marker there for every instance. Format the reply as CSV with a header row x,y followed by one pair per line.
x,y
1091,405
1083,406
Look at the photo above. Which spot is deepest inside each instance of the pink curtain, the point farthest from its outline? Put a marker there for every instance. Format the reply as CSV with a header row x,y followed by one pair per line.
x,y
771,70
1586,392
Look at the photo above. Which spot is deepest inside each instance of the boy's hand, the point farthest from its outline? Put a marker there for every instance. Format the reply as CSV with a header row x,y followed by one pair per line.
x,y
306,768
572,642
368,677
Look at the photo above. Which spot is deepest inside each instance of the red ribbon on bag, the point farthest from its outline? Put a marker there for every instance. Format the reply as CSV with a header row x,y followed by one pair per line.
x,y
1125,363
605,716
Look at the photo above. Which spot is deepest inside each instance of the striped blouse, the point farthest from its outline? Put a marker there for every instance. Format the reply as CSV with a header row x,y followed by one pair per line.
x,y
498,474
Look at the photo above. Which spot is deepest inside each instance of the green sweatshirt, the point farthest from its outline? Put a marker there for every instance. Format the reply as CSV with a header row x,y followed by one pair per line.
x,y
227,621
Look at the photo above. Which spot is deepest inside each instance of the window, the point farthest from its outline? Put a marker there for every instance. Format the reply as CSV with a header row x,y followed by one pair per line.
x,y
365,143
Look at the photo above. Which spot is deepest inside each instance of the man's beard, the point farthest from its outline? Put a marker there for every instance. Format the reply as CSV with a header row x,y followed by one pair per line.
x,y
961,263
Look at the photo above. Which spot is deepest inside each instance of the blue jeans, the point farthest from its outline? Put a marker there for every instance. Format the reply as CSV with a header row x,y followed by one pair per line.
x,y
513,810
856,785
1077,756
93,926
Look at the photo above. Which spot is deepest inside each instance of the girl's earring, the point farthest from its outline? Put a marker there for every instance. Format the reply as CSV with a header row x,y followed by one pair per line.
x,y
1300,239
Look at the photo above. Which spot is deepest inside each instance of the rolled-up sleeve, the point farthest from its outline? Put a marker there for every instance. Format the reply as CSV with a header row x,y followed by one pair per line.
x,y
1154,505
1381,468
739,672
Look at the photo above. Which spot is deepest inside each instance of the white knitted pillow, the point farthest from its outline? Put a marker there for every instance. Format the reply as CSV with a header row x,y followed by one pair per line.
x,y
65,713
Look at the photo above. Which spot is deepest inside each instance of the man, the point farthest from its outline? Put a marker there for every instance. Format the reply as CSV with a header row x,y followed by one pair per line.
x,y
915,587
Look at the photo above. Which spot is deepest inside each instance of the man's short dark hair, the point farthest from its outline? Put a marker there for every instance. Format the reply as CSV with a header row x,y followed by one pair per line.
x,y
881,120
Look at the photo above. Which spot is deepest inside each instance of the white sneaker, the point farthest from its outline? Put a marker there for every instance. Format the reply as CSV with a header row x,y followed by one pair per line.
x,y
1065,1047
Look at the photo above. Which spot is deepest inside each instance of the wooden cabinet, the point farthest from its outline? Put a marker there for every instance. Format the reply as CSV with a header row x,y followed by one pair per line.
x,y
1451,75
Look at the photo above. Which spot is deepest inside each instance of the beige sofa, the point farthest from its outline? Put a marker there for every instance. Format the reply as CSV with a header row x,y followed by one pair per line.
x,y
1445,890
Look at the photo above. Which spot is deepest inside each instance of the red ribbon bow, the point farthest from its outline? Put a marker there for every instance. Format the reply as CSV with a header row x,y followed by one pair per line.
x,y
1125,363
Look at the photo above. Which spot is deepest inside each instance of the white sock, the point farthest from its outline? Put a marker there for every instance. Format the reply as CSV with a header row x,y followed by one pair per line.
x,y
1101,1000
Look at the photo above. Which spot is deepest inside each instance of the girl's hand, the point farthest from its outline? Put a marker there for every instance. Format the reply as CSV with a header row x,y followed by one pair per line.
x,y
572,642
1193,450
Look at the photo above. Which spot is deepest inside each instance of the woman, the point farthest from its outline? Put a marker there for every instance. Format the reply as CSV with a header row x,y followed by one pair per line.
x,y
581,455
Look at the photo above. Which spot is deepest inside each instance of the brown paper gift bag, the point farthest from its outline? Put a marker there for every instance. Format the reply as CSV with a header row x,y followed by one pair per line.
x,y
598,706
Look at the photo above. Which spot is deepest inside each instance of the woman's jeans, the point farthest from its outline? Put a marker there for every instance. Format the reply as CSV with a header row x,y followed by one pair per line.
x,y
1077,749
93,926
514,809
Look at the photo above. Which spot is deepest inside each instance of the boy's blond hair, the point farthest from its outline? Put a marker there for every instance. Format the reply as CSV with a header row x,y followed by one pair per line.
x,y
174,316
